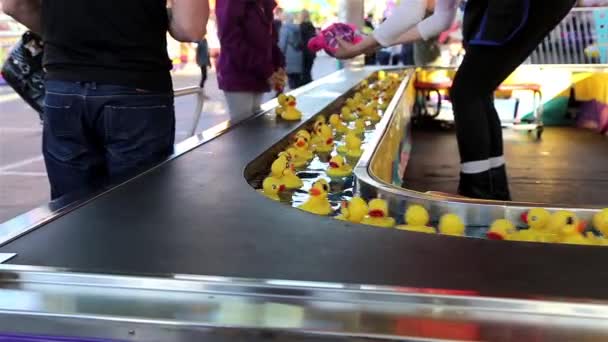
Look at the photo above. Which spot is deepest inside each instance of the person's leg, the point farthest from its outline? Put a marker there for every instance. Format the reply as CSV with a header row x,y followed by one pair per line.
x,y
241,105
203,76
294,80
138,128
71,160
307,75
478,125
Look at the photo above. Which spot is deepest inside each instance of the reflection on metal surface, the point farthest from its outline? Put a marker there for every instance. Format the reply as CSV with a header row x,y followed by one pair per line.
x,y
189,303
4,257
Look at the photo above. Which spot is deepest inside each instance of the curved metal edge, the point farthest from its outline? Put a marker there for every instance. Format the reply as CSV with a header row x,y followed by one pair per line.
x,y
474,212
38,217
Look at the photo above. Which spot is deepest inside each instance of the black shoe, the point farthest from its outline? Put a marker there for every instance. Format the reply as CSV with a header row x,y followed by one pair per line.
x,y
500,183
477,185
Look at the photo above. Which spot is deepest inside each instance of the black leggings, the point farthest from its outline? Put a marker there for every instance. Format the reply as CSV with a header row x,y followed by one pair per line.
x,y
484,68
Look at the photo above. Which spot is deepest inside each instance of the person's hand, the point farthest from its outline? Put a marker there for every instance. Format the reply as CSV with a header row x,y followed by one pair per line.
x,y
278,80
346,50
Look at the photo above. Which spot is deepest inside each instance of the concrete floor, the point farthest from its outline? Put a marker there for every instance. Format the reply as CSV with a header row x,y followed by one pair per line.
x,y
23,182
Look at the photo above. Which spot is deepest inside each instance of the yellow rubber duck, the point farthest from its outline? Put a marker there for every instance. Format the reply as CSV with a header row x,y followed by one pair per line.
x,y
318,203
337,124
560,219
301,144
353,211
271,187
359,127
600,222
325,139
352,147
573,234
358,97
338,168
377,215
347,114
319,121
416,220
537,219
290,112
307,137
365,111
501,230
569,228
283,170
368,93
297,157
352,104
451,224
282,99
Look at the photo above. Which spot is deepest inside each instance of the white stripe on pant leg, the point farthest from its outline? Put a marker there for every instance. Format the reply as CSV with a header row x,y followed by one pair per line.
x,y
497,162
475,167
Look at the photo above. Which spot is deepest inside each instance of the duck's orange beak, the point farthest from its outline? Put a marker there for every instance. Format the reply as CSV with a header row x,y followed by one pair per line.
x,y
292,103
524,218
300,143
330,141
334,165
495,236
282,187
315,192
377,213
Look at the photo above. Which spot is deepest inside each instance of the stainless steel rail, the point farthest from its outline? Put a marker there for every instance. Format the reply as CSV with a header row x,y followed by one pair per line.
x,y
187,308
200,102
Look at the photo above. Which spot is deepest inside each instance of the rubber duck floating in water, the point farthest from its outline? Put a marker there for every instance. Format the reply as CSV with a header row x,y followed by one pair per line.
x,y
307,137
324,139
451,224
339,168
318,203
271,187
537,220
352,146
282,169
416,220
337,124
297,157
501,230
302,145
353,211
377,215
352,104
359,127
347,114
600,222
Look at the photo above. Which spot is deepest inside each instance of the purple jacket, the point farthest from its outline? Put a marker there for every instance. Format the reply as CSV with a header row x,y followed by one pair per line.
x,y
250,52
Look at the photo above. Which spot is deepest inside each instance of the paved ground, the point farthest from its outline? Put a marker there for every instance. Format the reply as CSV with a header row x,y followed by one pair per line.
x,y
23,183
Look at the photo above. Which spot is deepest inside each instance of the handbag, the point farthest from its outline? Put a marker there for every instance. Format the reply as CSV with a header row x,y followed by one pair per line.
x,y
23,70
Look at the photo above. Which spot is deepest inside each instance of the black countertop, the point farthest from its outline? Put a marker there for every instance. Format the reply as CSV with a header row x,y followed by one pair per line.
x,y
197,215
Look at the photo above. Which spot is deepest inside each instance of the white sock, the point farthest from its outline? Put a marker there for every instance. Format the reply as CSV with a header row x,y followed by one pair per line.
x,y
497,162
476,166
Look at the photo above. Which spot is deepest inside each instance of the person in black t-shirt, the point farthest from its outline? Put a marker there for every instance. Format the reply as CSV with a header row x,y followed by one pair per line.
x,y
308,31
108,110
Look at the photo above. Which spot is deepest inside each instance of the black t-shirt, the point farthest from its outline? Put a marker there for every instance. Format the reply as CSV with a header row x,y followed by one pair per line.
x,y
120,42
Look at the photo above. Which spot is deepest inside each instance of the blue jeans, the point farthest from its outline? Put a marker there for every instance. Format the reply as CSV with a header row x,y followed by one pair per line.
x,y
96,133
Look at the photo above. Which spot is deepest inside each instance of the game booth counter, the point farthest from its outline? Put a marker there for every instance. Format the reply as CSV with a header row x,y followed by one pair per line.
x,y
341,226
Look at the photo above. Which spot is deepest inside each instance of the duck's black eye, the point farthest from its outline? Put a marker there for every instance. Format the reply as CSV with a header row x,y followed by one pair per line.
x,y
325,188
570,220
274,187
